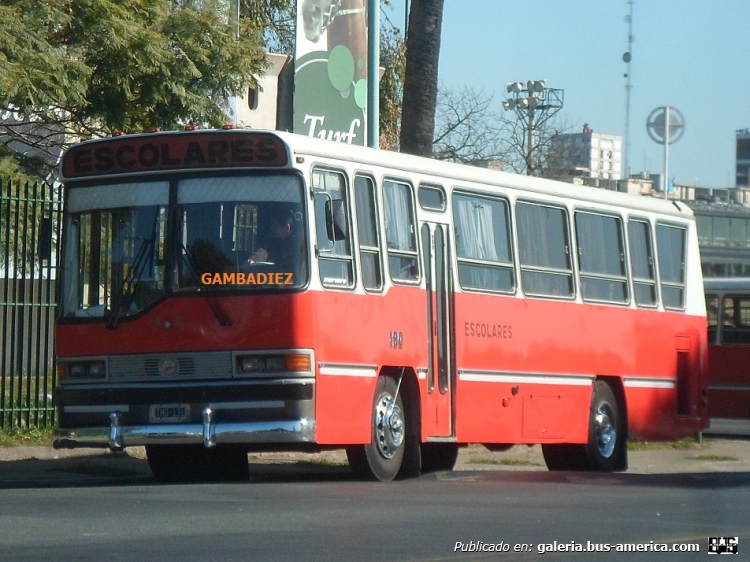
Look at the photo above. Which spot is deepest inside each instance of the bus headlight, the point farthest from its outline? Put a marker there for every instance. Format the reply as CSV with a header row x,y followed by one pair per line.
x,y
251,363
84,370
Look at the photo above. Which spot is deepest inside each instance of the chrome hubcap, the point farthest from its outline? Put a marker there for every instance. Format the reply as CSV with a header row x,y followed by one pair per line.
x,y
389,426
606,433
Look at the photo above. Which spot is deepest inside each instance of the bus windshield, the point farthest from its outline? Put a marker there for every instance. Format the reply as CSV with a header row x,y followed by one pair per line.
x,y
116,235
227,234
241,233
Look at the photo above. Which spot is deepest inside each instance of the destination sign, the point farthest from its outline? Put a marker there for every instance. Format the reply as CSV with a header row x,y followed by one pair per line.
x,y
173,151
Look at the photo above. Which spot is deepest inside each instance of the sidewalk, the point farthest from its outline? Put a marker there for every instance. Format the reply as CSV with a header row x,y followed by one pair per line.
x,y
39,465
714,454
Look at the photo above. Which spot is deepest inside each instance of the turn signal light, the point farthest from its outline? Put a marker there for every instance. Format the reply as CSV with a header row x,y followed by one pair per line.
x,y
274,363
298,362
62,372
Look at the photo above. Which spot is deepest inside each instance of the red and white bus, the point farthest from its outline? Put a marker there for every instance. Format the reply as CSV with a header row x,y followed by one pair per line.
x,y
728,307
427,305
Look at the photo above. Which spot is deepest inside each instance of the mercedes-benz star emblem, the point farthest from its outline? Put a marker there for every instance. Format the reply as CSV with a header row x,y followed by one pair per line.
x,y
167,367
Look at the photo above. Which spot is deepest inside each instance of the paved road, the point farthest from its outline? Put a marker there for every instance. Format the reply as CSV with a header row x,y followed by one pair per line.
x,y
86,505
44,466
318,512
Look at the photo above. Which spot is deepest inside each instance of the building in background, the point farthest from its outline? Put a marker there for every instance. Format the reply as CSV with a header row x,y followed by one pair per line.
x,y
743,158
270,105
587,155
722,217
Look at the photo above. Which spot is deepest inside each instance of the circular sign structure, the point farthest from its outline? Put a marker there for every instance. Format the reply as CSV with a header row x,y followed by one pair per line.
x,y
656,125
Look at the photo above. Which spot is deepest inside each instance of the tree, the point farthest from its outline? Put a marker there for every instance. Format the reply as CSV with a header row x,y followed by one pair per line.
x,y
393,61
467,130
547,158
75,69
277,18
21,212
421,77
33,74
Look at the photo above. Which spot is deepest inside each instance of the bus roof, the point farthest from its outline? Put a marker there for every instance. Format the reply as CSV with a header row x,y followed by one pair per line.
x,y
726,284
303,145
80,162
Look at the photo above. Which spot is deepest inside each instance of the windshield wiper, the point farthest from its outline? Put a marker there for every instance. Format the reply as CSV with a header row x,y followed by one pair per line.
x,y
128,284
127,291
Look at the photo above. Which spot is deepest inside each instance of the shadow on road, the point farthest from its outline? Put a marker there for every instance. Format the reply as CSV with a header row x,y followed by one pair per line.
x,y
109,469
683,480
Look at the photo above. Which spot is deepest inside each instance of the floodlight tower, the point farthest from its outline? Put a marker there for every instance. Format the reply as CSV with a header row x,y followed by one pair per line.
x,y
534,104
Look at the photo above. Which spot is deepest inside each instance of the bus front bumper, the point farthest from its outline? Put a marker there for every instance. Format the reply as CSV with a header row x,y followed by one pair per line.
x,y
209,433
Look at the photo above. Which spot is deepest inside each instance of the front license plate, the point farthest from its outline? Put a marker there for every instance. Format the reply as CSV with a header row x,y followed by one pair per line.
x,y
169,413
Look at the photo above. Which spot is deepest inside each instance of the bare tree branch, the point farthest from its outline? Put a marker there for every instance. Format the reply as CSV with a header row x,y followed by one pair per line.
x,y
467,129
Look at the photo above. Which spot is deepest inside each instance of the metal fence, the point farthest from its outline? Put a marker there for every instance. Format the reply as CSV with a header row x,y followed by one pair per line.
x,y
30,218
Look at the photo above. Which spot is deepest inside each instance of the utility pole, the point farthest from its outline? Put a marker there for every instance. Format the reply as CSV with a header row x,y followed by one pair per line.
x,y
534,104
628,57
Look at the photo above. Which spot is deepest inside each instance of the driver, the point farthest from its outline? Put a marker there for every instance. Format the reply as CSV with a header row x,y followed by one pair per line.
x,y
282,246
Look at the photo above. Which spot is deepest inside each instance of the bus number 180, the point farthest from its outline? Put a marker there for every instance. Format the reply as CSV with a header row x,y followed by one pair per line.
x,y
396,340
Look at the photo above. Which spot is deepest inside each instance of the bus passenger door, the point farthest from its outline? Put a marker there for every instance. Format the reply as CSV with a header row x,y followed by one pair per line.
x,y
438,412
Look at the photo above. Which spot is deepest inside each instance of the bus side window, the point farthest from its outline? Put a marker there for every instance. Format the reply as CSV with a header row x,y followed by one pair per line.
x,y
601,258
400,232
670,244
642,263
335,259
483,245
431,197
367,229
712,316
544,250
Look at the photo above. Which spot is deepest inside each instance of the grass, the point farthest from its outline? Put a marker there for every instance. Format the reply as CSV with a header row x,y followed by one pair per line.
x,y
321,462
504,462
685,444
14,437
713,458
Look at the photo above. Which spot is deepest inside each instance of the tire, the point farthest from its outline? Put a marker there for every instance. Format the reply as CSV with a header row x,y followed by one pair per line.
x,y
606,435
605,447
384,457
439,456
195,463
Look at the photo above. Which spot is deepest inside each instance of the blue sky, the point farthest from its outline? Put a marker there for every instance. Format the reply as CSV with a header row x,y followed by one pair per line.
x,y
690,54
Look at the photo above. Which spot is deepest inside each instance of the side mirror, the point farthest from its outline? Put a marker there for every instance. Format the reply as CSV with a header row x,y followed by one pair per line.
x,y
336,220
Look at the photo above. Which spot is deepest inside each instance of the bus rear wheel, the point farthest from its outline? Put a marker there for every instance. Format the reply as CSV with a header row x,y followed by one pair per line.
x,y
390,451
606,437
195,463
606,442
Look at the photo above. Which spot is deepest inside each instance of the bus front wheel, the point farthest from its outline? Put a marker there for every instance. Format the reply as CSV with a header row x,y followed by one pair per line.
x,y
389,451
